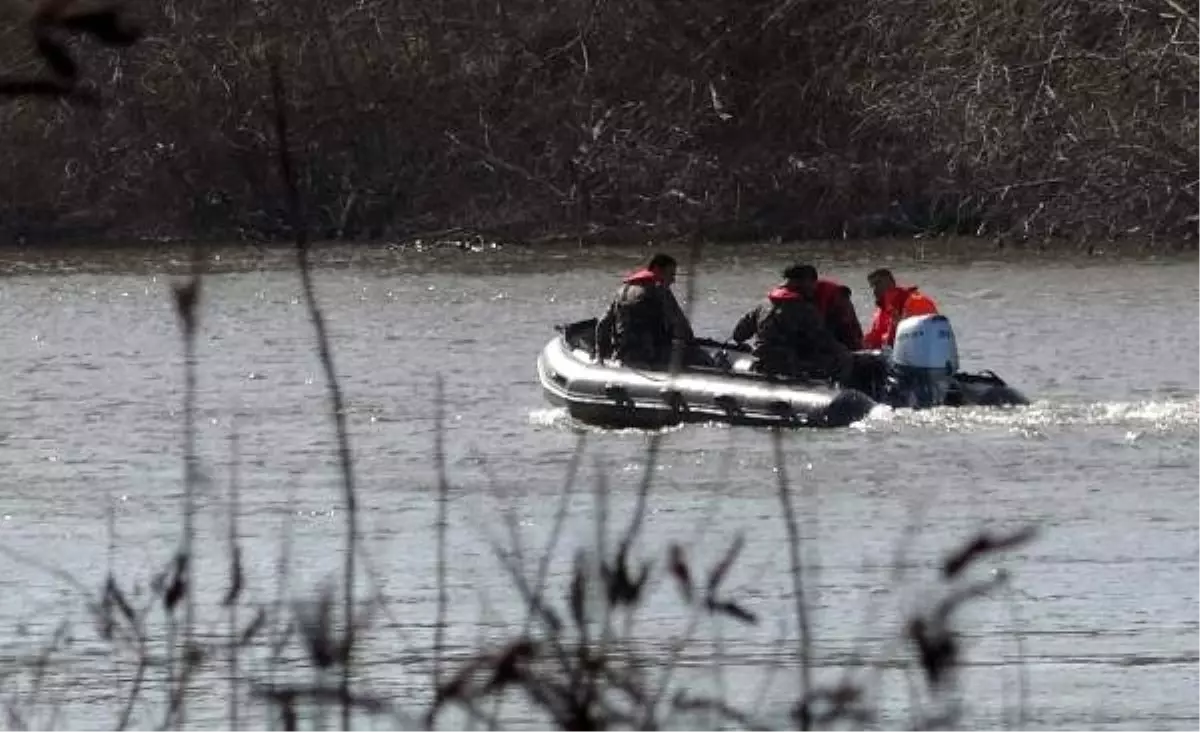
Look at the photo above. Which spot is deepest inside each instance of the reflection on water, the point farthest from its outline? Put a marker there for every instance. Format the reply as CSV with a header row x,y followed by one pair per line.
x,y
1104,461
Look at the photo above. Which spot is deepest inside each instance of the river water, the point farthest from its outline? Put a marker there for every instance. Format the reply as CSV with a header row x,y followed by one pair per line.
x,y
1098,623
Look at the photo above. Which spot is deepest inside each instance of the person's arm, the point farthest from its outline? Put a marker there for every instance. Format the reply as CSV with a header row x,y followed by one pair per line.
x,y
681,329
604,333
874,338
894,317
745,326
848,325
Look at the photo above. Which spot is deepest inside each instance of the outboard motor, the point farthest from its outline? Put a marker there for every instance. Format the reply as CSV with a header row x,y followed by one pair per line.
x,y
924,360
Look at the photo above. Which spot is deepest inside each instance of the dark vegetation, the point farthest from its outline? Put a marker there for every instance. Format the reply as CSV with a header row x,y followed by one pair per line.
x,y
618,119
573,665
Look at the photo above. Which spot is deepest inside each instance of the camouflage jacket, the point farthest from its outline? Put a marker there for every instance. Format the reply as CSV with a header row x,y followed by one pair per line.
x,y
641,323
790,337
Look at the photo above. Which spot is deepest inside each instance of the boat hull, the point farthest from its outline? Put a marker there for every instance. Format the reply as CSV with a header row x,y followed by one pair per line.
x,y
728,389
620,397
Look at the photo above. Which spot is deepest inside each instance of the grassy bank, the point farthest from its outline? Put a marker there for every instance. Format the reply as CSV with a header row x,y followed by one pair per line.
x,y
53,258
1018,122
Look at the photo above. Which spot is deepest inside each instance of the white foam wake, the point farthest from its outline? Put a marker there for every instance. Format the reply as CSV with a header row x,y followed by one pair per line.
x,y
1153,415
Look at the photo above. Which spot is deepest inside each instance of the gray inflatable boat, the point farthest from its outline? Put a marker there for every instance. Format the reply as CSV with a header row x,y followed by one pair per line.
x,y
921,372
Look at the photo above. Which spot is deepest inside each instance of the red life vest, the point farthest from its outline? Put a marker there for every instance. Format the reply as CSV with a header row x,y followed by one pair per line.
x,y
898,303
827,291
643,277
909,301
783,294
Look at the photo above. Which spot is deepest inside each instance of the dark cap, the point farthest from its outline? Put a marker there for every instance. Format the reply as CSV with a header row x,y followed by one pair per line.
x,y
661,260
883,273
800,272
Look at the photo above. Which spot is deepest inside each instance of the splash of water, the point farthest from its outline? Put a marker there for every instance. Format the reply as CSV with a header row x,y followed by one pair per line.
x,y
1137,416
553,417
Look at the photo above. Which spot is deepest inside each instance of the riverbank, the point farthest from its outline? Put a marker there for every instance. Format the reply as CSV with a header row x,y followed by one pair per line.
x,y
472,253
1064,119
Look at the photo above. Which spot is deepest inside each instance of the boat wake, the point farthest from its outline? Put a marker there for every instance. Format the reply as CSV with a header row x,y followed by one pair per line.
x,y
1164,416
553,417
1158,416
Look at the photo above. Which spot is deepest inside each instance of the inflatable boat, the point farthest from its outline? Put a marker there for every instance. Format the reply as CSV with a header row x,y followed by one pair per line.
x,y
721,383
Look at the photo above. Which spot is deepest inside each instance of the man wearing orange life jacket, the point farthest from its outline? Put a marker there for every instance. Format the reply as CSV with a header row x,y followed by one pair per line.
x,y
893,304
833,301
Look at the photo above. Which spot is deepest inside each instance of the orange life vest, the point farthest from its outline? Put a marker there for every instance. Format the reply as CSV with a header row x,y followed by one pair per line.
x,y
898,303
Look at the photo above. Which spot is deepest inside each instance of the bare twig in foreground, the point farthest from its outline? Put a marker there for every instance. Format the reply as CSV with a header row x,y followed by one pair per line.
x,y
336,408
443,498
797,571
187,306
235,569
104,22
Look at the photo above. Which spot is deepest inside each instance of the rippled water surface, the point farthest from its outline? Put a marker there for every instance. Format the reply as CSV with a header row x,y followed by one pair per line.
x,y
1104,463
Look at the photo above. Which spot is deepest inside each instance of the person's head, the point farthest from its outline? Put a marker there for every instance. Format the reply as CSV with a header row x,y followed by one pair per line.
x,y
881,280
663,265
802,278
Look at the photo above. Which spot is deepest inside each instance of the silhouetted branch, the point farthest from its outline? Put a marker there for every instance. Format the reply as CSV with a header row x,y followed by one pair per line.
x,y
804,630
443,499
102,21
325,353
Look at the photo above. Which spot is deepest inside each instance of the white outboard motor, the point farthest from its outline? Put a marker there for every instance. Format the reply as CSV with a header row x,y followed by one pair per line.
x,y
924,360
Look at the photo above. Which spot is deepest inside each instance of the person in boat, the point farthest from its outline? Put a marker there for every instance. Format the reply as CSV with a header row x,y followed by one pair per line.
x,y
833,300
893,304
644,322
790,337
